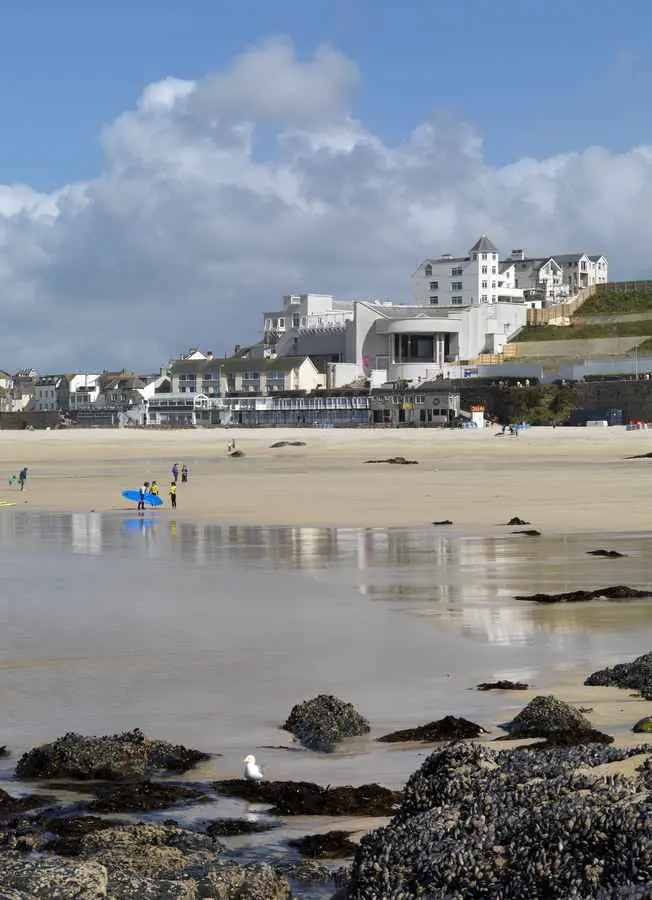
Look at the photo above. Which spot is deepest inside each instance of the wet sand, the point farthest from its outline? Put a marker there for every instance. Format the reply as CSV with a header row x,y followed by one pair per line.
x,y
563,480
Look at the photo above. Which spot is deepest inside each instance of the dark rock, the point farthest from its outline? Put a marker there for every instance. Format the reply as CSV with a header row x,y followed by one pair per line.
x,y
443,522
149,851
395,461
640,456
502,686
530,532
450,728
574,737
330,845
515,824
322,722
618,592
234,827
51,879
108,758
236,454
13,806
303,798
278,444
636,675
4,753
142,796
234,881
643,726
516,521
304,871
545,716
69,831
607,554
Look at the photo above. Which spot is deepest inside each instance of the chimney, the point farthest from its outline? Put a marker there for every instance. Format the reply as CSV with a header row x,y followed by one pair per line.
x,y
236,349
518,254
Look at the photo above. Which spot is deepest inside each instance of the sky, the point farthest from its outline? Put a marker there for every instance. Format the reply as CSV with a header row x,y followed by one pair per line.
x,y
169,170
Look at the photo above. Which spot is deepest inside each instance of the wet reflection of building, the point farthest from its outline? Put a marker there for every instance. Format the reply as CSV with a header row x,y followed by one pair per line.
x,y
86,533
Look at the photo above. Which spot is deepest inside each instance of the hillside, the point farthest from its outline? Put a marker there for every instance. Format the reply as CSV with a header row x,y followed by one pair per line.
x,y
617,300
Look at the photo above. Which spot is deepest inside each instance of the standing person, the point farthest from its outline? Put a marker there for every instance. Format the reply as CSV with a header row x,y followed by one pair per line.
x,y
22,478
154,489
184,474
173,494
175,473
144,489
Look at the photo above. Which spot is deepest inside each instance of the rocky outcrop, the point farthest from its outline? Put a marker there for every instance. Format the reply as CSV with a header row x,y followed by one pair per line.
x,y
606,554
233,881
471,826
322,722
13,806
636,676
643,726
277,444
394,461
233,827
545,717
304,798
618,592
142,796
330,845
52,879
107,758
450,728
503,685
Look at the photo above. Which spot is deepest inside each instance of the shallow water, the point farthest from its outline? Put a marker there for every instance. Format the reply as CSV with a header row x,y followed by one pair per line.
x,y
208,635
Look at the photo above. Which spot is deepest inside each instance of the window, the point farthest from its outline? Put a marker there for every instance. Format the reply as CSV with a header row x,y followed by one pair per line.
x,y
434,300
434,285
484,270
281,323
456,285
485,285
484,255
456,272
493,270
296,320
483,298
428,270
456,301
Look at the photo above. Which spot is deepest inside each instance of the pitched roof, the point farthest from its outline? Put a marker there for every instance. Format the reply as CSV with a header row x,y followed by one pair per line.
x,y
235,364
483,245
567,257
505,265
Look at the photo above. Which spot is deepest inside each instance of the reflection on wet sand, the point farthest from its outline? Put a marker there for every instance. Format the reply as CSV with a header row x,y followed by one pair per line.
x,y
462,582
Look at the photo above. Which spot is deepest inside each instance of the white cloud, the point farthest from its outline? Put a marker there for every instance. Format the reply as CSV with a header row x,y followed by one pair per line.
x,y
218,196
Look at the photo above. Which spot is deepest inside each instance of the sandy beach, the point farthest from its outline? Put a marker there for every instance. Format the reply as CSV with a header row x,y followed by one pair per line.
x,y
563,480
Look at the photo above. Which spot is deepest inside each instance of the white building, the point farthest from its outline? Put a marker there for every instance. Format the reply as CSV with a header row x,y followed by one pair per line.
x,y
48,393
306,311
83,390
459,281
413,344
481,277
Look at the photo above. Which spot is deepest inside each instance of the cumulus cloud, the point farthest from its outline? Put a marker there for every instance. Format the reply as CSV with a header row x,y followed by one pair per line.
x,y
218,196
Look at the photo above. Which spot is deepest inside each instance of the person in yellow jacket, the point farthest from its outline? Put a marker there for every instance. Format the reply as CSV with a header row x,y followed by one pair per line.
x,y
173,494
154,489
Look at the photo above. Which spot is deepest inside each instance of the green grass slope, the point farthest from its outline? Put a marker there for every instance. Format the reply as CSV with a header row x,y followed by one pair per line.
x,y
618,302
584,332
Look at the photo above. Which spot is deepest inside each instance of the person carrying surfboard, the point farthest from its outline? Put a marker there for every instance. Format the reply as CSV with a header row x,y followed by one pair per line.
x,y
173,494
141,496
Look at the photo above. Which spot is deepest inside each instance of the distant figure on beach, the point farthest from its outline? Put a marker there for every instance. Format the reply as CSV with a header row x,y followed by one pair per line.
x,y
154,489
142,491
230,447
184,474
13,481
22,478
173,494
175,473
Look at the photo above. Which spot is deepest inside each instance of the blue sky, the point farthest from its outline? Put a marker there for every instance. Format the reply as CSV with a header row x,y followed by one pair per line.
x,y
270,166
535,79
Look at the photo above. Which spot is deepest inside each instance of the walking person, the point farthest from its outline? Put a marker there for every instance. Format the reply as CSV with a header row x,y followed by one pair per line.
x,y
144,489
175,473
173,494
184,474
22,478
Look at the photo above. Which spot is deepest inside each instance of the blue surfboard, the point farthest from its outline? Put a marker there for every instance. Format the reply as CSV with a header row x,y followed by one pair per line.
x,y
151,499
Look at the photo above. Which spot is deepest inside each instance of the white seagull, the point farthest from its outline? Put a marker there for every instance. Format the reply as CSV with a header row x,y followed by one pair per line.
x,y
252,771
